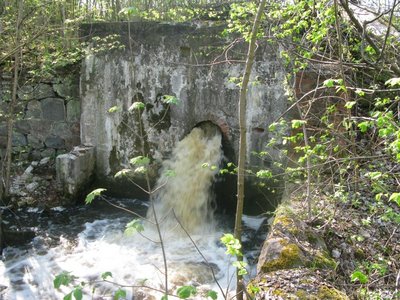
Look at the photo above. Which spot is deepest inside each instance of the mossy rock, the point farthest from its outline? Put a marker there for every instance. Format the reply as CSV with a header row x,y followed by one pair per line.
x,y
291,244
279,254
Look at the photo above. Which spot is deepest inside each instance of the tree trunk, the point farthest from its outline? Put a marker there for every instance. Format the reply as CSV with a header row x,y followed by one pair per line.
x,y
243,137
6,167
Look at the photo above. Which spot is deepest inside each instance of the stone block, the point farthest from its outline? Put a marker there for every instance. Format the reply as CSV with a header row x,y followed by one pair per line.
x,y
19,139
37,92
53,109
33,110
23,126
35,142
75,170
73,111
54,142
41,128
68,88
49,152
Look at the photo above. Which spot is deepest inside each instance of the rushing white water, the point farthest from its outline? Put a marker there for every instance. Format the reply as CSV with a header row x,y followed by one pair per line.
x,y
185,196
134,261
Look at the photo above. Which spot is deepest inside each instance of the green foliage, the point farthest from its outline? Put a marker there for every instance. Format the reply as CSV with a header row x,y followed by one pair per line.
x,y
168,99
140,161
134,226
186,291
65,278
212,294
119,294
137,106
393,82
232,244
93,194
105,275
359,276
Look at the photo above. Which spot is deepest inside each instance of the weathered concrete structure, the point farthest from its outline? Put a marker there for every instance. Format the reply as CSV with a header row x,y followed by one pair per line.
x,y
195,65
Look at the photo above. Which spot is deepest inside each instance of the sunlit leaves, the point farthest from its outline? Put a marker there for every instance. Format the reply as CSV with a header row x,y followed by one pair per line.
x,y
169,99
137,106
119,294
122,173
105,275
133,227
395,197
393,82
140,161
186,291
212,294
232,244
359,276
114,109
264,174
93,194
298,123
65,278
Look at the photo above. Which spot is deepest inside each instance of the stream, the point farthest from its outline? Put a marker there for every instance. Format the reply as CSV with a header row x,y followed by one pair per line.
x,y
90,241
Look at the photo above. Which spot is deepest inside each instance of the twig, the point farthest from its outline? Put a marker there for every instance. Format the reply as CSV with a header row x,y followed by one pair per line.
x,y
201,254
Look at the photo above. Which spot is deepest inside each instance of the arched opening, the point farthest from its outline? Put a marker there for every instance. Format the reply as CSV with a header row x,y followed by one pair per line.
x,y
224,186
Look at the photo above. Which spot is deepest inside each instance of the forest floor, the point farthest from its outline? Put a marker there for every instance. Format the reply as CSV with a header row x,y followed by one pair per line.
x,y
362,233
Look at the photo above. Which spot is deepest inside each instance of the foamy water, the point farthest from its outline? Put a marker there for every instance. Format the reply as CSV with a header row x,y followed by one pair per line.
x,y
136,263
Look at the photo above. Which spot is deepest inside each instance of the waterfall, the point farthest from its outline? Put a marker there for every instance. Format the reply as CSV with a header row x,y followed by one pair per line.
x,y
186,195
98,244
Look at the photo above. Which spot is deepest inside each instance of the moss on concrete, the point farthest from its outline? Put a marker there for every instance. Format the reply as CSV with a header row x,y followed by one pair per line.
x,y
290,257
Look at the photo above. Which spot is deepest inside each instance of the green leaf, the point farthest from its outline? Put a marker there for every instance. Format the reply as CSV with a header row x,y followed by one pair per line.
x,y
264,174
137,106
65,278
350,104
298,123
105,275
360,92
374,175
395,197
186,291
232,244
119,294
359,276
89,198
364,126
168,99
393,81
68,296
140,161
329,83
134,226
122,173
212,294
114,109
165,297
272,127
170,173
78,293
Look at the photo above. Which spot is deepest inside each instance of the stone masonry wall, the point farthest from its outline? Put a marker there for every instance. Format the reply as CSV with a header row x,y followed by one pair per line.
x,y
48,116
